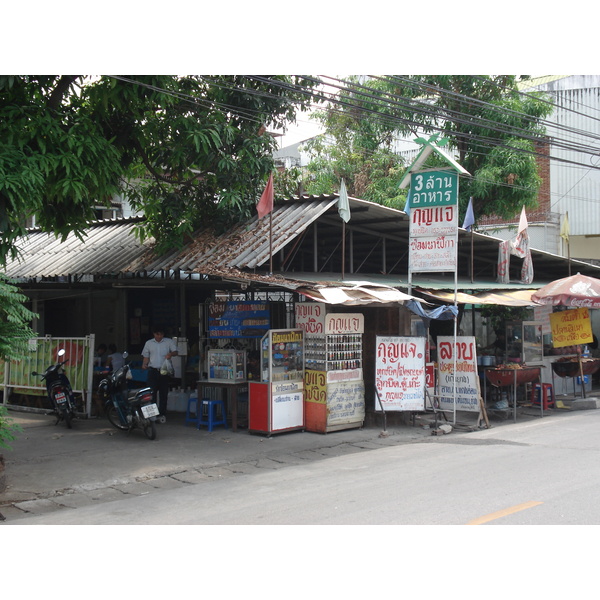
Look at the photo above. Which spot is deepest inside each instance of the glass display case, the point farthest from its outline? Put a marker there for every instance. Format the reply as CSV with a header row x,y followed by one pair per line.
x,y
227,366
339,352
533,342
282,355
524,342
277,402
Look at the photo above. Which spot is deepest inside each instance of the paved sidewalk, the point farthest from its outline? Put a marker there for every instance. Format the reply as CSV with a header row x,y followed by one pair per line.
x,y
52,468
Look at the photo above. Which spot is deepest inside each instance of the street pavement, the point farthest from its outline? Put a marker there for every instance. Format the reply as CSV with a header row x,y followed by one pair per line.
x,y
53,469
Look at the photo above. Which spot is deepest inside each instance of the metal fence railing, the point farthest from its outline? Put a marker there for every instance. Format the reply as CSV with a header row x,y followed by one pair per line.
x,y
16,381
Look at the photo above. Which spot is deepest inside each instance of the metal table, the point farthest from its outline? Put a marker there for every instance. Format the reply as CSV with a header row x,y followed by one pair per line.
x,y
513,378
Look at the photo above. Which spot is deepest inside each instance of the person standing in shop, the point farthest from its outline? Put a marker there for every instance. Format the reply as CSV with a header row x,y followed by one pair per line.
x,y
155,352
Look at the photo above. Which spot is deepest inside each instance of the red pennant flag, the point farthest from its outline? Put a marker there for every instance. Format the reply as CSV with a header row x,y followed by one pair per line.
x,y
265,204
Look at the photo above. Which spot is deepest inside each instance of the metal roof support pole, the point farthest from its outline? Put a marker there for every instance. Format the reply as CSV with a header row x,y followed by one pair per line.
x,y
351,251
182,311
271,243
343,249
315,253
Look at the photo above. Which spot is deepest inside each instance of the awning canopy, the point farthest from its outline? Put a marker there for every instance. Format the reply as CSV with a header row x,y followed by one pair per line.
x,y
498,297
356,295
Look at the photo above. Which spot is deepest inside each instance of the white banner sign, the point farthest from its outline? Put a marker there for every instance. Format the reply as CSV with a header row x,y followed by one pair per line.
x,y
400,372
434,221
433,253
465,378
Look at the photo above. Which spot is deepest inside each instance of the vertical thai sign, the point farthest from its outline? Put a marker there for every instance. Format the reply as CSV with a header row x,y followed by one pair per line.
x,y
433,221
400,372
463,354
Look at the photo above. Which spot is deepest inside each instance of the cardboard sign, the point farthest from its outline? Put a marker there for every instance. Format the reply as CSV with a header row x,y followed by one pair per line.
x,y
571,328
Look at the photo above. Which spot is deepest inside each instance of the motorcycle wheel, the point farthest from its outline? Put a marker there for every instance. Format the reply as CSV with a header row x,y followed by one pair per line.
x,y
113,416
149,428
67,416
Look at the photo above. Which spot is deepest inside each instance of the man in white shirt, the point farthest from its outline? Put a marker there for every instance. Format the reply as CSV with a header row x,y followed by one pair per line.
x,y
155,352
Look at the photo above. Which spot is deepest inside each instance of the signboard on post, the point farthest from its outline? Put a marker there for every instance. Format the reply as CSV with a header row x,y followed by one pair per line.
x,y
461,356
433,221
400,372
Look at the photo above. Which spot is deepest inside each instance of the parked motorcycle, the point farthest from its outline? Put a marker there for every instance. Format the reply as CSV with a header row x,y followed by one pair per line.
x,y
128,409
59,390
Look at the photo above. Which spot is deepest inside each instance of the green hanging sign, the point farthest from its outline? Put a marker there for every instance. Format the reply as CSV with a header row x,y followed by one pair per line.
x,y
433,188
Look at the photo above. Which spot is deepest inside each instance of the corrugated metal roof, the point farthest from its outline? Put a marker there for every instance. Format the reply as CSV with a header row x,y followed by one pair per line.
x,y
107,247
110,249
247,245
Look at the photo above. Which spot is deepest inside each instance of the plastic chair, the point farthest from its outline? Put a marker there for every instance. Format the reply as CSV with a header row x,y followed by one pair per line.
x,y
211,420
546,391
192,409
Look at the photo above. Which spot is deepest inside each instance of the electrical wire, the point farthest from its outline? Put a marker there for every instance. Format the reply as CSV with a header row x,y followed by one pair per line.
x,y
342,85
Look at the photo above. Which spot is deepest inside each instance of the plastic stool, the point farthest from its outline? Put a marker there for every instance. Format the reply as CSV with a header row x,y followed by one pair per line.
x,y
211,417
192,409
547,393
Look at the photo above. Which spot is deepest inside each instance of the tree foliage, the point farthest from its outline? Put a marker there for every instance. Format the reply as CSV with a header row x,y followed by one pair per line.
x,y
183,149
15,317
358,146
489,124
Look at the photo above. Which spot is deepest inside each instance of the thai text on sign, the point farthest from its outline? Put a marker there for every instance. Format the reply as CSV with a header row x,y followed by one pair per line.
x,y
238,319
434,221
315,386
400,372
339,323
310,317
345,402
571,327
433,188
457,366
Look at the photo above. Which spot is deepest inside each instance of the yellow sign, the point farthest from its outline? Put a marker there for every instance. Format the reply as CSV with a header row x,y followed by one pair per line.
x,y
315,386
571,328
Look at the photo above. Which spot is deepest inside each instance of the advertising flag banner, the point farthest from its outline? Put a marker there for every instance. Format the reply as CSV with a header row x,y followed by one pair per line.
x,y
343,205
265,204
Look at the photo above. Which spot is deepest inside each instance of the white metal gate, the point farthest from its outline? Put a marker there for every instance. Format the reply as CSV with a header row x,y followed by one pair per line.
x,y
16,377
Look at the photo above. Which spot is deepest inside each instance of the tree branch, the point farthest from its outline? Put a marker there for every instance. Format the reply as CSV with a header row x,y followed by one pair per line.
x,y
62,87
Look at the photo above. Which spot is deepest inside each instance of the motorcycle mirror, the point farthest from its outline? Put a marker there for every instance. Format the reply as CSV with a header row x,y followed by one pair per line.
x,y
61,352
34,373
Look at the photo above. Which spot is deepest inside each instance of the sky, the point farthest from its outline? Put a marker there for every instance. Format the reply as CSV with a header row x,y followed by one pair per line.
x,y
314,37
